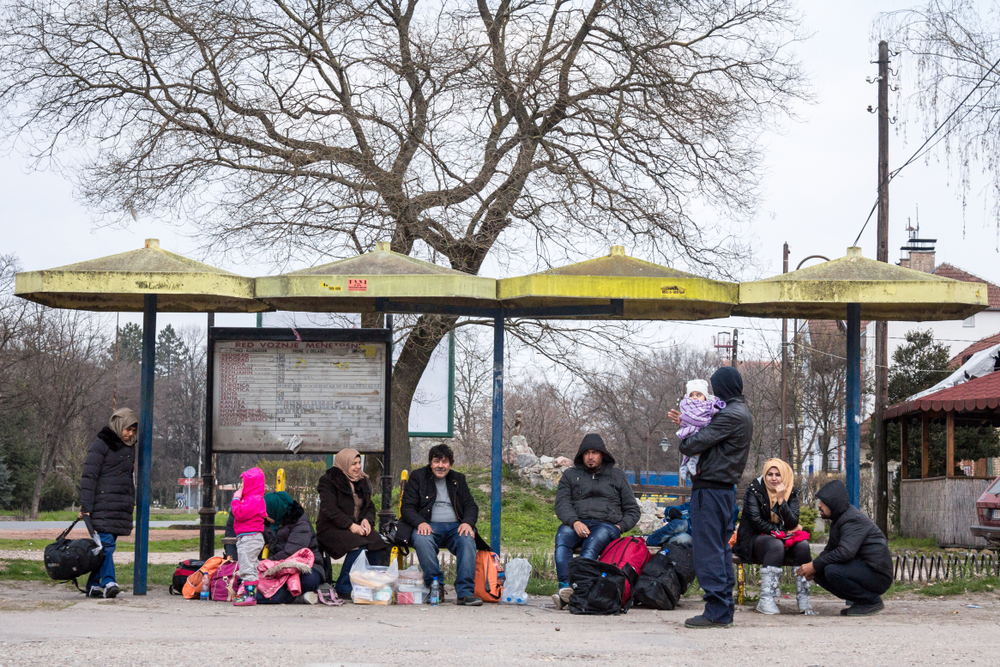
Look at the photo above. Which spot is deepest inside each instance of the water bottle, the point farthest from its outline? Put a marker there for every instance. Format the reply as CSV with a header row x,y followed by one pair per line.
x,y
435,592
204,586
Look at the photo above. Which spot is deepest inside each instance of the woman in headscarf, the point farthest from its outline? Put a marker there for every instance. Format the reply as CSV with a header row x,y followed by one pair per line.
x,y
346,523
107,493
770,535
288,530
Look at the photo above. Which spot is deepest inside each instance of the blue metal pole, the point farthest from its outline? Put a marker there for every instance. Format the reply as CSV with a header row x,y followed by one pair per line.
x,y
145,444
853,444
497,451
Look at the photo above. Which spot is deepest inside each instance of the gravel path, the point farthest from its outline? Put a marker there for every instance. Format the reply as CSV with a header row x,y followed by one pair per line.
x,y
42,624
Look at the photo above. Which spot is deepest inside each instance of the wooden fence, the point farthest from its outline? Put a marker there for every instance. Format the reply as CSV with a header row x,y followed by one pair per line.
x,y
943,508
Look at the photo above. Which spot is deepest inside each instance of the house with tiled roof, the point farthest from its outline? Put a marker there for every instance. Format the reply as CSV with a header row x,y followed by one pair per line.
x,y
978,346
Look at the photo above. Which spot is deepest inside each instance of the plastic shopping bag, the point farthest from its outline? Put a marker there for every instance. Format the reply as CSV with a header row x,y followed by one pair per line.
x,y
372,584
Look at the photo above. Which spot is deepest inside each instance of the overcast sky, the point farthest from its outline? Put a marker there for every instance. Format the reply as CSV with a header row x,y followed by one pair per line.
x,y
819,186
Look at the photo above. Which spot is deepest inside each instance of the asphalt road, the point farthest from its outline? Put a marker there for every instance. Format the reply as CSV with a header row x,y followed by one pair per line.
x,y
41,624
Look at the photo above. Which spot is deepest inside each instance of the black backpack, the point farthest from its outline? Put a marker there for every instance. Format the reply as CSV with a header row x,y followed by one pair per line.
x,y
598,588
665,578
184,570
66,559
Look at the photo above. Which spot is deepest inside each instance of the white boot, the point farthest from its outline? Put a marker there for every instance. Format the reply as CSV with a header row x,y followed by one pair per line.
x,y
802,586
768,589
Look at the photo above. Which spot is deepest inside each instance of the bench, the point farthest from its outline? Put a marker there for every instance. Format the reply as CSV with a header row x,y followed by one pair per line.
x,y
656,490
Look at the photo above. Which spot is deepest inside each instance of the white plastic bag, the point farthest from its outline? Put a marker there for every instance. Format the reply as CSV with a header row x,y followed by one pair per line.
x,y
518,572
373,584
410,587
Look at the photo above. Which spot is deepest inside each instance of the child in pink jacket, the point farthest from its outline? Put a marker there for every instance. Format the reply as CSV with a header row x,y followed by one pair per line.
x,y
248,520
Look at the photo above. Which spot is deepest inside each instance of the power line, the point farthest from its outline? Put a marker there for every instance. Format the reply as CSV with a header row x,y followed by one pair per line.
x,y
941,126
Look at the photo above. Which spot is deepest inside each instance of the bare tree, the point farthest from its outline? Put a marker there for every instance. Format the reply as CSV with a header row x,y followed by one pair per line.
x,y
310,128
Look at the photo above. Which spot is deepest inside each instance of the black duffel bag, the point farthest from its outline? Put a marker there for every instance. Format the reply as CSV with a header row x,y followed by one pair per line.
x,y
665,578
598,588
67,559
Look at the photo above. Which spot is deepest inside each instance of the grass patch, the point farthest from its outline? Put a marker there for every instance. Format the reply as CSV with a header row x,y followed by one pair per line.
x,y
68,516
155,546
960,586
529,520
913,544
29,570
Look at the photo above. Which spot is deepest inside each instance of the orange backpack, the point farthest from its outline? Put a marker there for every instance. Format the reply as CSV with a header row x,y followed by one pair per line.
x,y
192,587
489,576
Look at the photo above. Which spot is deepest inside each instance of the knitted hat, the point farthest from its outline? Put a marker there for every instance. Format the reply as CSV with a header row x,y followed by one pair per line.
x,y
697,385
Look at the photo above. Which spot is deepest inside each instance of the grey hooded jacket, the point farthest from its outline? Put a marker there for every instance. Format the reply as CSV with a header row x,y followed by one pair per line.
x,y
603,495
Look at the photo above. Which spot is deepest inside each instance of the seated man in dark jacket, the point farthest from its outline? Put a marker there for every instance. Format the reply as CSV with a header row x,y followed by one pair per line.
x,y
855,565
438,511
595,504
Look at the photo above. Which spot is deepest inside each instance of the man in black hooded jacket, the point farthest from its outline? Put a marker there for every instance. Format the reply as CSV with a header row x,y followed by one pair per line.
x,y
855,565
596,505
722,445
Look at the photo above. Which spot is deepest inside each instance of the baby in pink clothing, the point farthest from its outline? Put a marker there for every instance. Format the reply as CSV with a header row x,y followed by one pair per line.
x,y
249,512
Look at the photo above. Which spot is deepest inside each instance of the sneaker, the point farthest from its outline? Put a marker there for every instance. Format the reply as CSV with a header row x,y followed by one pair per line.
x,y
561,599
469,601
701,623
863,609
309,597
247,597
111,590
95,592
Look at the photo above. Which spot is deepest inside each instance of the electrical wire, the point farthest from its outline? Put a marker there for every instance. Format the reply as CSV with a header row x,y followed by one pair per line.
x,y
891,175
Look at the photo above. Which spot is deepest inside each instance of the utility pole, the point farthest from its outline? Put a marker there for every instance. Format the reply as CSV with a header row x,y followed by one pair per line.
x,y
736,345
880,468
784,369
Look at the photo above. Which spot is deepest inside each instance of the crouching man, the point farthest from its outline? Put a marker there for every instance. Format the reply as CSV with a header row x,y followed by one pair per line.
x,y
596,505
856,565
438,511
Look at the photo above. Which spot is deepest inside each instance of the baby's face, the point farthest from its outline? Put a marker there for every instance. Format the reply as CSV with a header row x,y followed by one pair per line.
x,y
697,396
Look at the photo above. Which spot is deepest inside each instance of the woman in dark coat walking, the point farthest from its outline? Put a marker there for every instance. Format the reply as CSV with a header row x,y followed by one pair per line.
x,y
287,531
346,523
770,534
107,493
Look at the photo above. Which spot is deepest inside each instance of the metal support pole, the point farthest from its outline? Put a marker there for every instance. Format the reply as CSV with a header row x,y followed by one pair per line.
x,y
144,450
854,403
784,369
206,542
386,512
497,432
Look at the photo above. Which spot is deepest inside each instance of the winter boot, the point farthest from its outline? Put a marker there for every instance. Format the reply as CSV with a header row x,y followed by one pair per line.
x,y
802,586
768,589
247,597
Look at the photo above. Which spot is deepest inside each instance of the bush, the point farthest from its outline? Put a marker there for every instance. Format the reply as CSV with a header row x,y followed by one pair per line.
x,y
301,478
807,517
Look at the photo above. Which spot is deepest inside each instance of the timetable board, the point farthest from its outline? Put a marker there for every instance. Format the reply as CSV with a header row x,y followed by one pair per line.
x,y
297,396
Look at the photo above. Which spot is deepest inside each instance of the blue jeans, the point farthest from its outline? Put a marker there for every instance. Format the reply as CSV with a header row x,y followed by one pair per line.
x,y
464,547
673,532
601,535
712,526
310,582
343,585
105,574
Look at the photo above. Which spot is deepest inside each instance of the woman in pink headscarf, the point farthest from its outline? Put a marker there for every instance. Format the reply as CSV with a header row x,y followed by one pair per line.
x,y
346,522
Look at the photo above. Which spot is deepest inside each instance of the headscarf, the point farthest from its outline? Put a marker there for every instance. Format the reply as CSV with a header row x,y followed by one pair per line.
x,y
120,420
344,460
787,478
727,383
278,504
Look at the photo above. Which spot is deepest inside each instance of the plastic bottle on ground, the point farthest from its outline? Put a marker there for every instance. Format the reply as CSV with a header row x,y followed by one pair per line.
x,y
204,586
435,592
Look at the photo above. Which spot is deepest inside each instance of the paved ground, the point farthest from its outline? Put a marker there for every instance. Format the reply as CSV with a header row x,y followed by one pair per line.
x,y
46,625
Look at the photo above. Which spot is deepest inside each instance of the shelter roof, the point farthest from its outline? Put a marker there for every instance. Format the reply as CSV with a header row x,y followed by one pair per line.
x,y
884,291
980,394
951,271
120,282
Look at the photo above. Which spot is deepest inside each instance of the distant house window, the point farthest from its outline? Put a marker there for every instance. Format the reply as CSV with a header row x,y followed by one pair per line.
x,y
969,321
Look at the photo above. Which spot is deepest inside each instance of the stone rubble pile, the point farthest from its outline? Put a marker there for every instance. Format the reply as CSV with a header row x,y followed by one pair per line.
x,y
543,471
651,518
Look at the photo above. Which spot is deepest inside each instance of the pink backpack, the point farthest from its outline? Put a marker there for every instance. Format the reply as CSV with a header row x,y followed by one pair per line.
x,y
225,582
630,555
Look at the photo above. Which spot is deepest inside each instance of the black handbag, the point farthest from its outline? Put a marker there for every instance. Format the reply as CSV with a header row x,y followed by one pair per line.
x,y
67,559
388,530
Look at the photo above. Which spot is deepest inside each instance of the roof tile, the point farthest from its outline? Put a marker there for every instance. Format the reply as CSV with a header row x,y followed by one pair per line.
x,y
955,273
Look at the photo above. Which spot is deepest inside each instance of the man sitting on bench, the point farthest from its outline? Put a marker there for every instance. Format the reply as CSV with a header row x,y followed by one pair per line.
x,y
595,504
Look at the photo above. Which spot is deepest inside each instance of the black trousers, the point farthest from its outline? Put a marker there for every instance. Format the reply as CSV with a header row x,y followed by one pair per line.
x,y
771,552
853,581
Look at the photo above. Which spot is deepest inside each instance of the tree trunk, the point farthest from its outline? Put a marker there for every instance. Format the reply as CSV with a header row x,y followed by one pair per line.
x,y
40,479
413,359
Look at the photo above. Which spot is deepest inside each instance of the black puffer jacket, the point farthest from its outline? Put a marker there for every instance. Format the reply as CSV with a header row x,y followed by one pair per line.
x,y
107,490
852,536
294,533
723,446
419,497
756,517
605,495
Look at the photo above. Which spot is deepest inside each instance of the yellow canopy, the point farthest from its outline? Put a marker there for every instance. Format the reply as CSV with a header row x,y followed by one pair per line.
x,y
885,292
119,283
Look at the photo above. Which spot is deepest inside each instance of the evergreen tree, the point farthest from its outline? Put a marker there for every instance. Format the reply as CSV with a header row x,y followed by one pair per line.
x,y
129,344
6,485
919,364
170,352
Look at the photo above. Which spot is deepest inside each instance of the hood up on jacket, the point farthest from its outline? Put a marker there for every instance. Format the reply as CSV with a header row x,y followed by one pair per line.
x,y
834,495
253,483
593,441
727,383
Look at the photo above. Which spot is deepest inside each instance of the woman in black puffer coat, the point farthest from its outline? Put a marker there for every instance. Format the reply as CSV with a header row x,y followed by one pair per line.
x,y
107,493
287,531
